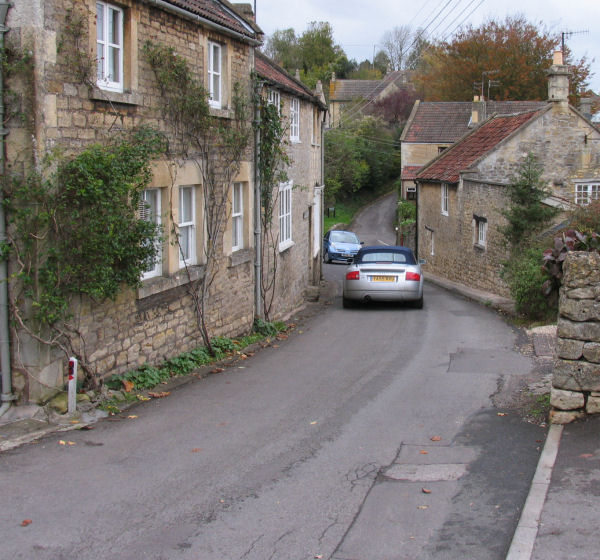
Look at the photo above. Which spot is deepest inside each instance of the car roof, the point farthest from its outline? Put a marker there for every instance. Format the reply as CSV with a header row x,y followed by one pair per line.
x,y
389,248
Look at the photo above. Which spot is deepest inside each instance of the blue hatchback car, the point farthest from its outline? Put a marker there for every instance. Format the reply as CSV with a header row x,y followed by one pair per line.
x,y
340,246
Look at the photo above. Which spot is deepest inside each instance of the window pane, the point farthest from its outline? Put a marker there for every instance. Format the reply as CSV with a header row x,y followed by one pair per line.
x,y
100,61
99,22
185,205
184,241
113,65
216,54
114,27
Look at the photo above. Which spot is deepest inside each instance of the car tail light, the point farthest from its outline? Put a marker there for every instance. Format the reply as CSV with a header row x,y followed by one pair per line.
x,y
353,275
413,276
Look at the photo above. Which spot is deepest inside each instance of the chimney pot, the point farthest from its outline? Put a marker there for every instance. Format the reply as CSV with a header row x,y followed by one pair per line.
x,y
557,58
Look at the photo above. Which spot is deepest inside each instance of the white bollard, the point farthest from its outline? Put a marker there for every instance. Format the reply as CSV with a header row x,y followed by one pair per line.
x,y
72,386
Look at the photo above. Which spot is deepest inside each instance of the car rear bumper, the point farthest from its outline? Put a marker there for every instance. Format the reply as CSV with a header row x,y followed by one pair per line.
x,y
408,293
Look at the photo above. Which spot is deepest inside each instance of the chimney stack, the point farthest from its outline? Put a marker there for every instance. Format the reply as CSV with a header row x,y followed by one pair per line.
x,y
585,107
477,111
558,81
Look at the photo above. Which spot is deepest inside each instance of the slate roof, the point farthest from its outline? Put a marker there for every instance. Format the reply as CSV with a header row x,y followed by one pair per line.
x,y
439,122
348,90
219,12
459,157
276,75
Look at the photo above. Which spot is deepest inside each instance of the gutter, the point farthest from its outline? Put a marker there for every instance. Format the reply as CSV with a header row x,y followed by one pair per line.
x,y
203,21
258,264
7,396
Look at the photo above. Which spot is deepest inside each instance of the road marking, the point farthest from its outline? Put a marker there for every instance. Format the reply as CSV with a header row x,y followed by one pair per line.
x,y
382,242
523,541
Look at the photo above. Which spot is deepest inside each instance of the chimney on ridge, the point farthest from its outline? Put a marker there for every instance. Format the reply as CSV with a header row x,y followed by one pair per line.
x,y
477,111
558,81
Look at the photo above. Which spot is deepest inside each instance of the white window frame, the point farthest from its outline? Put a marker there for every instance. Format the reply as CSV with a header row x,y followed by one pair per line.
x,y
586,192
237,217
186,228
150,209
274,98
285,216
215,74
106,49
445,199
295,119
480,232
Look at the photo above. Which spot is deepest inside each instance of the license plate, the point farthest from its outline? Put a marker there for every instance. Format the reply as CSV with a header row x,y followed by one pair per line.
x,y
383,278
346,254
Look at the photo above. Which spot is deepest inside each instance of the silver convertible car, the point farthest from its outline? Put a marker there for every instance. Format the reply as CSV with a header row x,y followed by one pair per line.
x,y
386,273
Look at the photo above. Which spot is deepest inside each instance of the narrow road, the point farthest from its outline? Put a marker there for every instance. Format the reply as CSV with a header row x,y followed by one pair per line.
x,y
368,434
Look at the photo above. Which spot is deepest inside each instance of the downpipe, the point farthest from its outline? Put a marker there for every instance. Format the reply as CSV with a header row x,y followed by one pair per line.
x,y
7,396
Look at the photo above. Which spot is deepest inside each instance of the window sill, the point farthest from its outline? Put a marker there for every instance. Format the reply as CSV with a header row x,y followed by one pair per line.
x,y
285,246
160,284
221,113
240,257
125,98
295,141
445,214
479,247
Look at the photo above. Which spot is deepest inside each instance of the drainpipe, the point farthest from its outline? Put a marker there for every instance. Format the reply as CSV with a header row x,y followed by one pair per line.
x,y
7,397
258,304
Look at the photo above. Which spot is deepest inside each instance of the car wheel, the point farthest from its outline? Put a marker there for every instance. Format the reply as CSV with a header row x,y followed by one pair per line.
x,y
418,303
327,257
348,303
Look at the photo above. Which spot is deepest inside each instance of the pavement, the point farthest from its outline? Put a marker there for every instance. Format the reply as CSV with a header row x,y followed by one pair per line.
x,y
560,518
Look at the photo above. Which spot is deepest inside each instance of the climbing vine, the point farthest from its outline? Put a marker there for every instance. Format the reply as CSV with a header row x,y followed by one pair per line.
x,y
215,143
273,160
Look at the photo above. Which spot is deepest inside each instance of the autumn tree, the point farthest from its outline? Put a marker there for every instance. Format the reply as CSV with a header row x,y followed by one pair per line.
x,y
514,53
397,45
394,108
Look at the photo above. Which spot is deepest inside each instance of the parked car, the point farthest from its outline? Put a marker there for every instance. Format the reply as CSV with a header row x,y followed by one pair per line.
x,y
340,245
384,273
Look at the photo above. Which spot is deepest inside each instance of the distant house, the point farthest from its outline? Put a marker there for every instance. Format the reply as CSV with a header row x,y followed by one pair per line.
x,y
434,126
461,193
353,95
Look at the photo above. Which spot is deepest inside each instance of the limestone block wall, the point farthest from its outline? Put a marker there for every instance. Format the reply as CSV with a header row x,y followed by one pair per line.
x,y
576,380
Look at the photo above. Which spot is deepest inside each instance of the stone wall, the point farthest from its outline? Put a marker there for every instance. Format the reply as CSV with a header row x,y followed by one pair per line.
x,y
576,380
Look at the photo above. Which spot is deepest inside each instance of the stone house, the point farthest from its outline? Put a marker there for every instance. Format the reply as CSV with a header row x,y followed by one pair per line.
x,y
295,250
157,320
461,192
353,95
434,126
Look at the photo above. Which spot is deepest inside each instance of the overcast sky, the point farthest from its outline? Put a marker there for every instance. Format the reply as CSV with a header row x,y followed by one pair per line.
x,y
359,25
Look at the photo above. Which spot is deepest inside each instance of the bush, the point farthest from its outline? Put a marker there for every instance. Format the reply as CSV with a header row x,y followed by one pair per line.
x,y
525,277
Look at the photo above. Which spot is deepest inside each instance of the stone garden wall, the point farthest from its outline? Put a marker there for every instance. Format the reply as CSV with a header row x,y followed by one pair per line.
x,y
576,380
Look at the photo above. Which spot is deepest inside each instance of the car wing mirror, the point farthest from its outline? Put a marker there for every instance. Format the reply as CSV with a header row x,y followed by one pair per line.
x,y
422,261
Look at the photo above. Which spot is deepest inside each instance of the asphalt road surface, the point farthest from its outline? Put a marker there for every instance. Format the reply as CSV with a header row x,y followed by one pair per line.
x,y
368,434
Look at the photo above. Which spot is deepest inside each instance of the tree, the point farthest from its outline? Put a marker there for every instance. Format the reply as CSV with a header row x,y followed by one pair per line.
x,y
283,48
397,45
394,108
314,53
516,51
526,215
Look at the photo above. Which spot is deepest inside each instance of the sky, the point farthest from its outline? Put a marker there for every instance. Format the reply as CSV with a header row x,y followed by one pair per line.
x,y
358,26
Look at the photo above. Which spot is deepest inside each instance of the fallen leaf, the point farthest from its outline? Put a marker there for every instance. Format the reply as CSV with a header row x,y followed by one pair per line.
x,y
282,336
74,422
318,556
243,357
274,346
425,491
62,442
313,423
223,424
132,416
196,449
423,452
502,414
250,354
70,443
160,395
423,507
142,398
127,385
436,438
26,522
586,455
217,370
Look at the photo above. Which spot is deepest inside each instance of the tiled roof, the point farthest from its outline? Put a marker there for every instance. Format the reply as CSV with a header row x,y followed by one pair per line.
x,y
272,72
221,13
409,172
447,121
464,153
